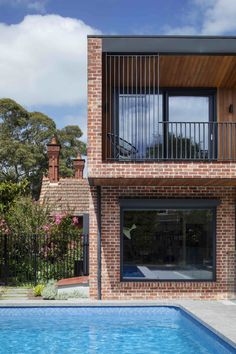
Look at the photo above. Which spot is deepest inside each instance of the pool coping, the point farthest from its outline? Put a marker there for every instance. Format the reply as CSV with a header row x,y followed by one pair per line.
x,y
188,306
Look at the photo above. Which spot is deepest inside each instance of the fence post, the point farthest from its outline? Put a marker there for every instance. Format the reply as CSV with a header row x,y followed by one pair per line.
x,y
85,255
5,261
35,259
86,244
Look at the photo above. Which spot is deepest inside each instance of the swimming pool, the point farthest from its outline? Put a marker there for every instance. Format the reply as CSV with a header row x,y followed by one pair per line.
x,y
149,330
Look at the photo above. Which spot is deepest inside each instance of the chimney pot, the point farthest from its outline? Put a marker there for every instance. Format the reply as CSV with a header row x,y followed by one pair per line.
x,y
78,164
53,149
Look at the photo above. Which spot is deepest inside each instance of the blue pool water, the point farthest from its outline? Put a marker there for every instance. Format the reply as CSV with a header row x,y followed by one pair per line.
x,y
105,330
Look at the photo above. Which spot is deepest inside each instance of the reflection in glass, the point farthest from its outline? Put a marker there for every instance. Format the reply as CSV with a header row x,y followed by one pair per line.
x,y
188,139
168,244
139,116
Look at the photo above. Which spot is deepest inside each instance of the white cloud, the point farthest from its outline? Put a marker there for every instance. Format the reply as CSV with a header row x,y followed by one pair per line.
x,y
43,60
37,6
185,30
219,16
34,5
210,17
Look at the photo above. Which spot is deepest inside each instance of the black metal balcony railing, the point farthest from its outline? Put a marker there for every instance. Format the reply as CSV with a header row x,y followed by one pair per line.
x,y
201,141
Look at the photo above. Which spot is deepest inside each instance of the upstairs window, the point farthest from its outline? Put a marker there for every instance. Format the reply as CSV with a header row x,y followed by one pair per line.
x,y
146,121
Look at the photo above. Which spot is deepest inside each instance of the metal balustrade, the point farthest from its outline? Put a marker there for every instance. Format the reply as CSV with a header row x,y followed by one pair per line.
x,y
191,141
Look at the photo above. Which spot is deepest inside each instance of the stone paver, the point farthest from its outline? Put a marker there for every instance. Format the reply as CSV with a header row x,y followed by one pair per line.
x,y
15,293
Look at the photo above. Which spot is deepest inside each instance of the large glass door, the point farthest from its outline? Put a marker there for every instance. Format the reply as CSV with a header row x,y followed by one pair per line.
x,y
189,131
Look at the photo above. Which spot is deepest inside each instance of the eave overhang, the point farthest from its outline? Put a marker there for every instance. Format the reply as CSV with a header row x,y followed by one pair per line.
x,y
169,44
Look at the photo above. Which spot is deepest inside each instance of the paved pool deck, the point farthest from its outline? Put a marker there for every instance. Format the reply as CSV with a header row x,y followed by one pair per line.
x,y
219,316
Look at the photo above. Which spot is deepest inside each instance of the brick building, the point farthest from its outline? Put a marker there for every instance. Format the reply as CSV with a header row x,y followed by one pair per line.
x,y
162,167
65,195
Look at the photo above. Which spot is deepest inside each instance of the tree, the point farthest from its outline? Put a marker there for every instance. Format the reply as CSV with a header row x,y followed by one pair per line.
x,y
71,145
9,192
23,144
26,216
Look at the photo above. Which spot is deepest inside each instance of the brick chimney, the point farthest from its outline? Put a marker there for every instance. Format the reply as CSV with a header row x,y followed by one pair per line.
x,y
78,164
53,149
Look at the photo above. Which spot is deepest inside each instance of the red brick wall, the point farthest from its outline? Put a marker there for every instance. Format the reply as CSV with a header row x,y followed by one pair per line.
x,y
94,102
98,168
113,288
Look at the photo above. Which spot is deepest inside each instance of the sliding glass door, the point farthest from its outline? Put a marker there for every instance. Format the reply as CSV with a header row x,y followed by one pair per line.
x,y
190,131
173,124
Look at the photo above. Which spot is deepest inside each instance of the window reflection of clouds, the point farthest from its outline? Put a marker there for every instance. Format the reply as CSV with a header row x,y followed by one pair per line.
x,y
138,119
188,109
140,114
191,109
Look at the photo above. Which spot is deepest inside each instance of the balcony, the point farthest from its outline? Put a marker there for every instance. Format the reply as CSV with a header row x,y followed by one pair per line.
x,y
173,141
164,108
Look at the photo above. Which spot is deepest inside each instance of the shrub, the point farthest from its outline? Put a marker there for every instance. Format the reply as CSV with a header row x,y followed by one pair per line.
x,y
77,294
9,191
26,216
37,290
62,296
50,291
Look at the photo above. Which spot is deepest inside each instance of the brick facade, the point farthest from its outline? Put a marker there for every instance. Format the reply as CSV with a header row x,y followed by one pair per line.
x,y
112,287
98,168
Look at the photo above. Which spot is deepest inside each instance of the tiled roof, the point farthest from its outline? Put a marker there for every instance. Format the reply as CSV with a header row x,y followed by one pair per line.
x,y
68,195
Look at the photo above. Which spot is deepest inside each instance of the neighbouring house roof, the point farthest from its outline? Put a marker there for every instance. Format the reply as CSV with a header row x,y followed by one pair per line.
x,y
68,195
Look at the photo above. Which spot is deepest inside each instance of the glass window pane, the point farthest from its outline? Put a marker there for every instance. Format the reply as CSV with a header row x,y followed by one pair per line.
x,y
139,116
169,244
189,109
188,139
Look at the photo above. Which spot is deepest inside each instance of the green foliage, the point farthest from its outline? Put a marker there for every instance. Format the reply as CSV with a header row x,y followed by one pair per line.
x,y
37,290
69,138
50,291
34,237
23,139
27,217
62,243
76,294
9,191
62,296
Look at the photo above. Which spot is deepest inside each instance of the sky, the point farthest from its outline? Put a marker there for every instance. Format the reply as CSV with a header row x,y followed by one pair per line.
x,y
43,44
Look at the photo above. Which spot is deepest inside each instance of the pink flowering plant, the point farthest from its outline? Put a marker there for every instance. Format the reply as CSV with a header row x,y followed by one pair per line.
x,y
62,241
31,229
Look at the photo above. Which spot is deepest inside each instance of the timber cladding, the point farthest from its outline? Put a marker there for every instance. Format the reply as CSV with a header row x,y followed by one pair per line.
x,y
114,288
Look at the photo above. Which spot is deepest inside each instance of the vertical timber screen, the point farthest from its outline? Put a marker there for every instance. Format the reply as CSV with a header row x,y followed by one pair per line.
x,y
136,117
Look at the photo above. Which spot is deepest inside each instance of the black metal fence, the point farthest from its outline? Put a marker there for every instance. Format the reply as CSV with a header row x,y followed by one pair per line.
x,y
30,259
201,141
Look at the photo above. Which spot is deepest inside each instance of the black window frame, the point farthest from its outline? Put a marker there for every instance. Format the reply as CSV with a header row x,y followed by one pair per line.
x,y
152,204
167,92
